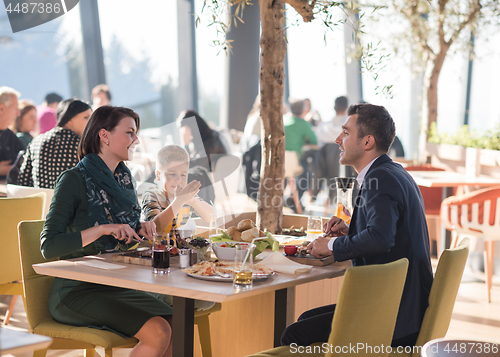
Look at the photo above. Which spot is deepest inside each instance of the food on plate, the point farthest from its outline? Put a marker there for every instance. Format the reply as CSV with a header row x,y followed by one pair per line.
x,y
245,224
292,231
294,241
249,234
223,268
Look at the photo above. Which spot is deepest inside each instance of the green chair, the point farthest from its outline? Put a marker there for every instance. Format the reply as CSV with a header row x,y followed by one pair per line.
x,y
366,312
442,297
15,210
36,294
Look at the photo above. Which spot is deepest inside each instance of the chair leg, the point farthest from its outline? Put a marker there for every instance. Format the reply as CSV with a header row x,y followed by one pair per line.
x,y
204,333
11,309
489,248
454,239
295,195
89,352
108,352
40,353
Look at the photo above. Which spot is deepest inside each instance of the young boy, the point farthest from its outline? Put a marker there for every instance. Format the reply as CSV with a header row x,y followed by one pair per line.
x,y
164,205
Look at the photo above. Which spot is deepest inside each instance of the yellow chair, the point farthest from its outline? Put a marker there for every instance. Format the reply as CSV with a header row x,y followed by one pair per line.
x,y
366,312
13,211
36,294
442,297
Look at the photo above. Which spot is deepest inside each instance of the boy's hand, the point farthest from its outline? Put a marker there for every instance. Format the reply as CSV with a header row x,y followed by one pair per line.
x,y
185,195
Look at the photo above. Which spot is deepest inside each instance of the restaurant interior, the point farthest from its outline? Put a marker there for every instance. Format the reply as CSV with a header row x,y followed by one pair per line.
x,y
167,58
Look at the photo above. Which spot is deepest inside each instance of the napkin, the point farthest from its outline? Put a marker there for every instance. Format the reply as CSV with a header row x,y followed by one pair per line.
x,y
278,262
100,264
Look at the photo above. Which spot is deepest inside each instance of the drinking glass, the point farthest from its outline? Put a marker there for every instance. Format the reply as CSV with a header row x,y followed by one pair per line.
x,y
161,254
217,223
314,227
243,265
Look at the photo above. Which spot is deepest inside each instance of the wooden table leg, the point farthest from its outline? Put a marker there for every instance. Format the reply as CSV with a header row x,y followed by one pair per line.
x,y
183,327
283,312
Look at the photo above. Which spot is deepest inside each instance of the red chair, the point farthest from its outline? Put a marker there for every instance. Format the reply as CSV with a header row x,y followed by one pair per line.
x,y
432,202
475,214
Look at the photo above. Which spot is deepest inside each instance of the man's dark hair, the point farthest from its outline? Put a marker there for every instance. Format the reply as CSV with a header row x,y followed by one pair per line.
x,y
374,120
341,104
53,98
296,106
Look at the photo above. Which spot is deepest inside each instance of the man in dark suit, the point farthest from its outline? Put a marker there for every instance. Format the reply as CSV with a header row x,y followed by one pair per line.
x,y
388,224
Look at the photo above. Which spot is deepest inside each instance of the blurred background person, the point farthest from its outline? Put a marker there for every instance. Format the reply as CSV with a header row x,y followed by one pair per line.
x,y
328,131
210,142
100,96
47,117
298,133
25,123
311,115
49,154
10,144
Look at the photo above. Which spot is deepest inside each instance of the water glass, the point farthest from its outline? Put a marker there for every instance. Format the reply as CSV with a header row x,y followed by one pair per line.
x,y
161,255
243,266
217,224
314,227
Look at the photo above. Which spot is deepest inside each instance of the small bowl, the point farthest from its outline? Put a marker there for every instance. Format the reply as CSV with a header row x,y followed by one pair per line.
x,y
228,251
290,249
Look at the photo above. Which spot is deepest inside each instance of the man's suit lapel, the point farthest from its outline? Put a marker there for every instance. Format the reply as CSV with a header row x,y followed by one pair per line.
x,y
352,225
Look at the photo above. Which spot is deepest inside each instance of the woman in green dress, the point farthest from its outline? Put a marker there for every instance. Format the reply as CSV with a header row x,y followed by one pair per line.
x,y
95,210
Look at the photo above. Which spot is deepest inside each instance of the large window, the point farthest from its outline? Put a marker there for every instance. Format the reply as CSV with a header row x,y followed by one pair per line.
x,y
140,56
47,58
316,67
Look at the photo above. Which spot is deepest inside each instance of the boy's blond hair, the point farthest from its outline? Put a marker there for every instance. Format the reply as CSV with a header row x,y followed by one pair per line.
x,y
170,153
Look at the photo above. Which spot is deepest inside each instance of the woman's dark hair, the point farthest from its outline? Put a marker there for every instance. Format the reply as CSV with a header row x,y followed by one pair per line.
x,y
106,117
206,132
374,120
68,109
25,106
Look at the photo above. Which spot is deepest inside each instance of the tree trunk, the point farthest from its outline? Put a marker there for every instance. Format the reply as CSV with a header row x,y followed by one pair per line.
x,y
432,89
272,75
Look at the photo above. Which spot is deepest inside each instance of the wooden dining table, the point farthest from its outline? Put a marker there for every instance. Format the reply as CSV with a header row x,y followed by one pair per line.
x,y
185,289
449,180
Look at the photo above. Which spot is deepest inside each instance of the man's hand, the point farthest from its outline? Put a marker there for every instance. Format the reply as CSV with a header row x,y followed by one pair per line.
x,y
319,248
335,227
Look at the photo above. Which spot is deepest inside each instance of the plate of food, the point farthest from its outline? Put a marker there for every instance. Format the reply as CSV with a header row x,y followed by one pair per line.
x,y
224,271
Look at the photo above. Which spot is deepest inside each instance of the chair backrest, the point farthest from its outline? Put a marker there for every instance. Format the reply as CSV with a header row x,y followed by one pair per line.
x,y
367,306
16,191
36,287
13,211
443,293
476,211
432,195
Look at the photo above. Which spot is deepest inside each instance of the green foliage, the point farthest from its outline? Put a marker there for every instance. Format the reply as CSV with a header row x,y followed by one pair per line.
x,y
489,139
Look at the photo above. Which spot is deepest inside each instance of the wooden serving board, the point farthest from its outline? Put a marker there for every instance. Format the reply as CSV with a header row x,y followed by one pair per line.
x,y
142,257
310,260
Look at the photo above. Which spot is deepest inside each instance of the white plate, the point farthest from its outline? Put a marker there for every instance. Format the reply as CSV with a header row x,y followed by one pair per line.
x,y
224,279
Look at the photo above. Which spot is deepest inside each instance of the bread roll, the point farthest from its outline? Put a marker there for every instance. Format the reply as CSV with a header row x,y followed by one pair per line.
x,y
245,224
249,234
234,233
262,233
236,236
230,231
